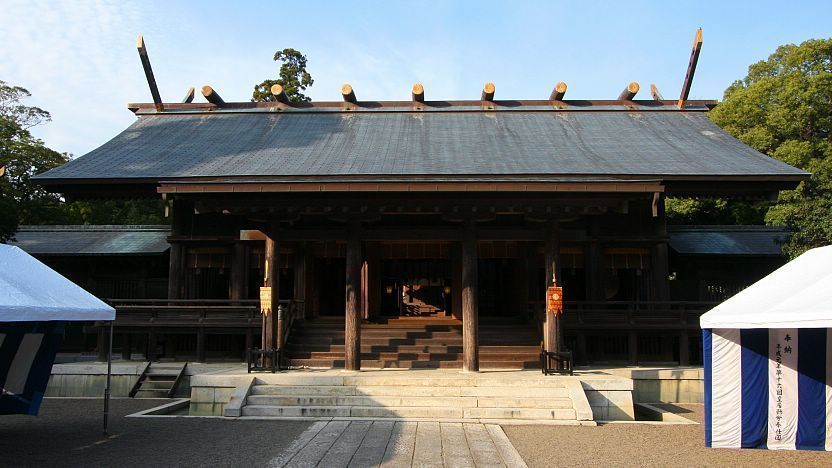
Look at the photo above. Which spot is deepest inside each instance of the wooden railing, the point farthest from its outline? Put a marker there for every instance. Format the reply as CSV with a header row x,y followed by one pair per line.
x,y
628,315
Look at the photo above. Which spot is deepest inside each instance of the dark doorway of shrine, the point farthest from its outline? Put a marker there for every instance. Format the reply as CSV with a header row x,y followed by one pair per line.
x,y
500,288
330,282
416,288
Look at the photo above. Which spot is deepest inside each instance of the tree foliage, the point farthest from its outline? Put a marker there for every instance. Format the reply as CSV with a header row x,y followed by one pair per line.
x,y
293,77
23,156
783,108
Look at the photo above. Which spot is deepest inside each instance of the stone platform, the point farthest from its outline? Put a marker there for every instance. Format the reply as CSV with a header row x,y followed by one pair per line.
x,y
415,395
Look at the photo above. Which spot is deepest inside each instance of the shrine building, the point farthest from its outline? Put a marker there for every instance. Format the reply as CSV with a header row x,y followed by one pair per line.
x,y
420,233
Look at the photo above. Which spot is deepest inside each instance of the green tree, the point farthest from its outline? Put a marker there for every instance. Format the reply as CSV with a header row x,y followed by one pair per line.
x,y
783,108
23,156
293,77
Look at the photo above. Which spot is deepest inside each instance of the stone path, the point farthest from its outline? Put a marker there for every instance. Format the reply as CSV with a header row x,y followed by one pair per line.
x,y
399,444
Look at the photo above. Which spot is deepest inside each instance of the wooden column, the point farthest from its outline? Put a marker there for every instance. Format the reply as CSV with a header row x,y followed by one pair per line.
x,y
299,293
581,357
271,279
594,262
200,344
456,281
684,348
372,252
239,271
150,354
181,220
659,256
470,340
364,302
126,346
312,297
632,348
352,312
551,254
176,271
103,343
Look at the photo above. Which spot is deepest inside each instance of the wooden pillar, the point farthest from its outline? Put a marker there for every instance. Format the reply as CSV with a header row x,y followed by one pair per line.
x,y
470,340
312,297
200,344
181,221
632,348
271,279
249,340
551,327
352,312
364,302
456,281
103,343
239,271
581,357
126,346
176,271
150,354
659,256
684,348
372,252
299,293
594,262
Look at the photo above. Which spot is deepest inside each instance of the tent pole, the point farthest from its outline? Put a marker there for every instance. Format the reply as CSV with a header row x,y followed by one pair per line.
x,y
109,372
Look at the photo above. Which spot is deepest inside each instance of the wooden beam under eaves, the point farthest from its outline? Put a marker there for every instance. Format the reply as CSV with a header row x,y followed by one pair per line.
x,y
694,58
280,94
348,94
418,93
629,92
558,92
212,96
189,96
148,73
488,92
654,91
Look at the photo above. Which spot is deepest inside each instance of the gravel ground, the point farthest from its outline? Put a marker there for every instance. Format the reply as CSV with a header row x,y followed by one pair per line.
x,y
643,445
68,433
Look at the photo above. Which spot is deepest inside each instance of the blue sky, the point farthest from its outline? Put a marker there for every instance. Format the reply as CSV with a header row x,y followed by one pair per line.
x,y
79,58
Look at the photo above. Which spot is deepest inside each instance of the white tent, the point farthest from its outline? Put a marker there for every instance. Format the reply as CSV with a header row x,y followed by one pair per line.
x,y
798,295
35,301
767,355
32,292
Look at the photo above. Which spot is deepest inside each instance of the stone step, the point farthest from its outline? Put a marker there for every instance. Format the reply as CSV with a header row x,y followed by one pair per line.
x,y
409,400
402,356
312,390
296,411
440,389
402,364
431,412
519,413
306,347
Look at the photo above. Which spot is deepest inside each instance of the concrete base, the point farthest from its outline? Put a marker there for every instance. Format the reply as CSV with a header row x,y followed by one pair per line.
x,y
663,384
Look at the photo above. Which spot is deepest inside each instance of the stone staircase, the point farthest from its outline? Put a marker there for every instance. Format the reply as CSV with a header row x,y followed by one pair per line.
x,y
413,343
159,380
419,395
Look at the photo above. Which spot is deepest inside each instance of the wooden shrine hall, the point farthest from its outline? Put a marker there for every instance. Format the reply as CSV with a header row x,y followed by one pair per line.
x,y
422,233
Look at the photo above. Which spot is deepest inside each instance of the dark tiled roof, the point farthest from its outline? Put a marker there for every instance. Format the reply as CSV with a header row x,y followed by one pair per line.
x,y
727,240
92,240
449,145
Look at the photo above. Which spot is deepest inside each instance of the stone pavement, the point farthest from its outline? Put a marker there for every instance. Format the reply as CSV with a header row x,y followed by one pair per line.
x,y
399,444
